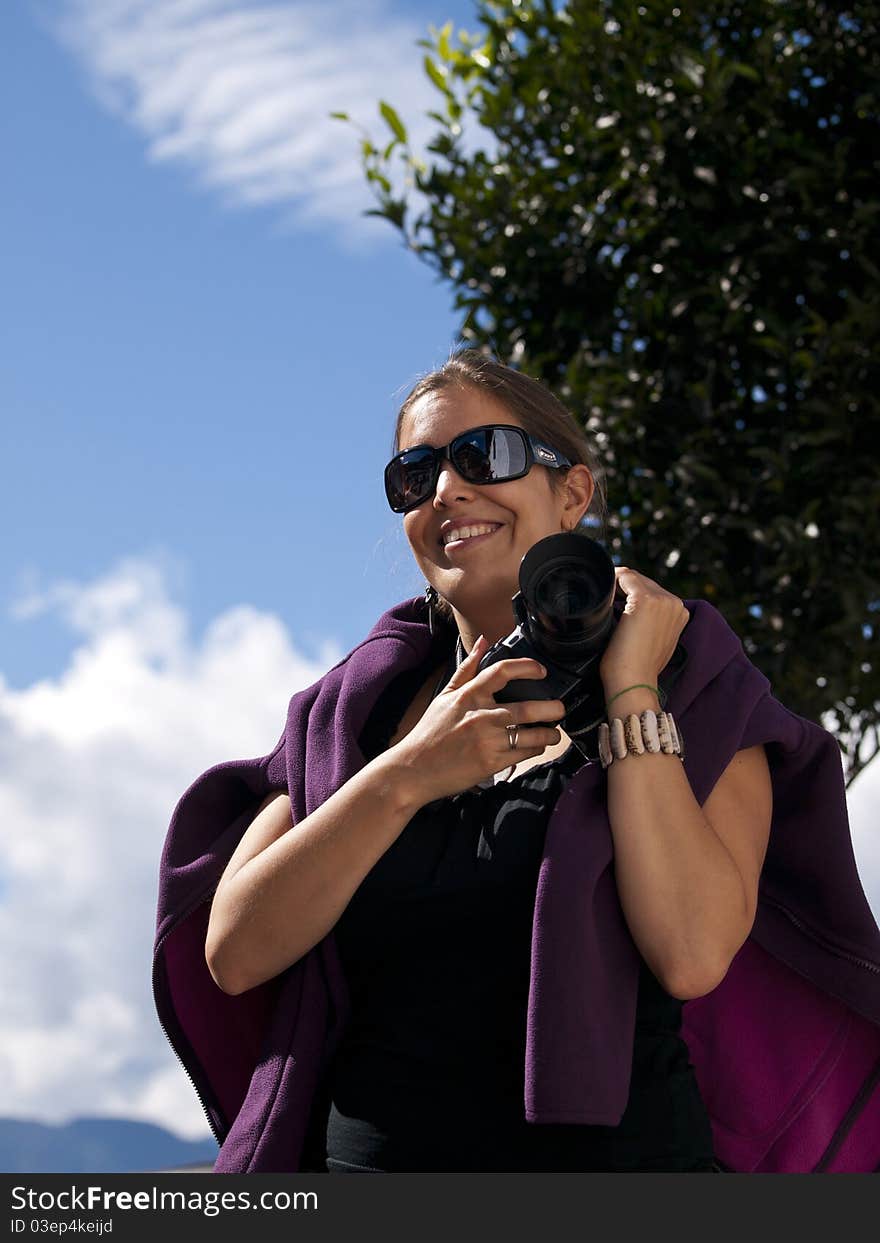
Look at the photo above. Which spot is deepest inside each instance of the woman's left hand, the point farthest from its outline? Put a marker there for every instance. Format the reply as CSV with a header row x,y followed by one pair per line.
x,y
646,633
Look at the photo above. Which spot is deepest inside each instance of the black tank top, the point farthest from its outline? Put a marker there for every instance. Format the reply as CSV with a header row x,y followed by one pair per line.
x,y
435,944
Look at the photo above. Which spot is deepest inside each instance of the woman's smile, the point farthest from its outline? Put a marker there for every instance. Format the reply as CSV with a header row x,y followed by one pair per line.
x,y
466,532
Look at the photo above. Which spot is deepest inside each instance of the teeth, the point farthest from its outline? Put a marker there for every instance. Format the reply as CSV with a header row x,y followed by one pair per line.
x,y
466,533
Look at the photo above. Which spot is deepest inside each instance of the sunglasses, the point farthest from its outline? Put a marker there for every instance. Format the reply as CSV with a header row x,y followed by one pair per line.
x,y
495,453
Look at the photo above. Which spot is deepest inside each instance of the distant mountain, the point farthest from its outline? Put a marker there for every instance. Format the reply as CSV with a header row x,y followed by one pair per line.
x,y
96,1145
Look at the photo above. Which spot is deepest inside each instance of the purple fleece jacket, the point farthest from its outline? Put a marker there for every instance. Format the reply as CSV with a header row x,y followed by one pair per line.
x,y
786,1049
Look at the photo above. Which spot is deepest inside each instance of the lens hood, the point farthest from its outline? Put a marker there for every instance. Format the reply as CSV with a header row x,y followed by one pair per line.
x,y
567,587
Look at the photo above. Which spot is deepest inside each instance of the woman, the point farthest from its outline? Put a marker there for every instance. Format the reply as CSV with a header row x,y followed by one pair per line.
x,y
419,871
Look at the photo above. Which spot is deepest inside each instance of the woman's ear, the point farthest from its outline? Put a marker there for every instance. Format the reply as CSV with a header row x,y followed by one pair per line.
x,y
579,487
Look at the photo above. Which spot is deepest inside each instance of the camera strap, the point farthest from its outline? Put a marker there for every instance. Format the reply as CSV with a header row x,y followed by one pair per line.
x,y
457,658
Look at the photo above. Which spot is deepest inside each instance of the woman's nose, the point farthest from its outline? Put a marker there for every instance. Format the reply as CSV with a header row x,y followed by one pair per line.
x,y
450,485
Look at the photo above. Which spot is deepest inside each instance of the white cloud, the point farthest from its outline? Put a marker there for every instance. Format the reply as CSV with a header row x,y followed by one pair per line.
x,y
863,802
240,92
91,765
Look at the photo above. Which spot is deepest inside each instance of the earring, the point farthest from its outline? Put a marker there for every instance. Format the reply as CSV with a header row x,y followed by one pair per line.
x,y
431,600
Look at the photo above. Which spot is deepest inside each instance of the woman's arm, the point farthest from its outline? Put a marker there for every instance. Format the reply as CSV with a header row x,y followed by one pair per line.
x,y
283,890
286,885
687,876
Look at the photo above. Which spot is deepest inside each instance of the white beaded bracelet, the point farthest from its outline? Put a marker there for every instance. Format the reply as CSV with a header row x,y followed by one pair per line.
x,y
651,732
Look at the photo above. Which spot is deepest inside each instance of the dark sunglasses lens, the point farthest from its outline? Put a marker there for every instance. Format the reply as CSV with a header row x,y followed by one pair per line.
x,y
484,455
409,479
490,455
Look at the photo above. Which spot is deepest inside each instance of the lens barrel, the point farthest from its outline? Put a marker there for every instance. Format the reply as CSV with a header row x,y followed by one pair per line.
x,y
567,585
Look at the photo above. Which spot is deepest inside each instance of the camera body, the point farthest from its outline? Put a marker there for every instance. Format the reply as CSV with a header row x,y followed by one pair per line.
x,y
565,613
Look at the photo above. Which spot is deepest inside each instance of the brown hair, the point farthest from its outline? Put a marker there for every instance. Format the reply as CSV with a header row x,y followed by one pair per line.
x,y
534,407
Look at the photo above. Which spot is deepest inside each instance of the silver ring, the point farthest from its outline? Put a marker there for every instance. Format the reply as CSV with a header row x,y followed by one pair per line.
x,y
512,736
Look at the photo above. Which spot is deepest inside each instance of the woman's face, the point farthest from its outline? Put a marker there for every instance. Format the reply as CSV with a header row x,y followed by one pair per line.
x,y
471,570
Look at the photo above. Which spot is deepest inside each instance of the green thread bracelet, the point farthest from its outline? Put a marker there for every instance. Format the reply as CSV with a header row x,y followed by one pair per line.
x,y
638,686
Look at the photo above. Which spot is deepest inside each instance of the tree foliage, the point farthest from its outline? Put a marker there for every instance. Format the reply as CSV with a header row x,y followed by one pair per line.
x,y
668,214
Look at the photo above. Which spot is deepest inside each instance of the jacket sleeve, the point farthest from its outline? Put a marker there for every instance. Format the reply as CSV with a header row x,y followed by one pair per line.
x,y
787,1048
254,1059
810,868
206,826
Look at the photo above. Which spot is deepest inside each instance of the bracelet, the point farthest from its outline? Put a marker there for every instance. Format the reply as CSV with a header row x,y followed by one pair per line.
x,y
651,732
638,686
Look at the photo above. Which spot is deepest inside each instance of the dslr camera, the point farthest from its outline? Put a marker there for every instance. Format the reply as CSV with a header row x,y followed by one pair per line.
x,y
566,609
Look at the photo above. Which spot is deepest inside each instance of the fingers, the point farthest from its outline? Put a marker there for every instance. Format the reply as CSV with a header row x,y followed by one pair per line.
x,y
504,671
536,738
468,667
497,675
531,740
530,712
530,737
638,586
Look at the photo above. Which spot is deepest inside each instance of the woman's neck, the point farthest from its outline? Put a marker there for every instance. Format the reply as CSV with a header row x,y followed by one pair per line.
x,y
491,627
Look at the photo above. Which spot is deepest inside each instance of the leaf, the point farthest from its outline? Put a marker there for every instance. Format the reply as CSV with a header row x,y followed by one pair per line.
x,y
443,45
340,116
436,75
373,175
394,122
745,71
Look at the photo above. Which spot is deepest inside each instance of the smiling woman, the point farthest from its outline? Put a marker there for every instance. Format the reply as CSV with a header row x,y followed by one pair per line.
x,y
437,936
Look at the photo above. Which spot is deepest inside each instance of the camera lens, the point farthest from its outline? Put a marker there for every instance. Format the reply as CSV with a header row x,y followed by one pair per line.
x,y
561,594
567,583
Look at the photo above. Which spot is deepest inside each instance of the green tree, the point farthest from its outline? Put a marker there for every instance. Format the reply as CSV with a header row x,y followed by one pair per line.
x,y
668,215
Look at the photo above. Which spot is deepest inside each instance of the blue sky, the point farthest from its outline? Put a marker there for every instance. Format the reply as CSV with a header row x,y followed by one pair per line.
x,y
192,377
204,345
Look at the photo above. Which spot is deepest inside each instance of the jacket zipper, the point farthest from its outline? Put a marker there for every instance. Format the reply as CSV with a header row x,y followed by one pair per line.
x,y
165,1031
850,1118
819,939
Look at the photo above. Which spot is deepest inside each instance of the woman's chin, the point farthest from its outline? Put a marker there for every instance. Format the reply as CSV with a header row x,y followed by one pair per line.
x,y
474,602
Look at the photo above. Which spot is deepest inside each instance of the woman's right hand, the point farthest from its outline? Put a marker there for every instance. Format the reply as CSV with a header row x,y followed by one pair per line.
x,y
462,736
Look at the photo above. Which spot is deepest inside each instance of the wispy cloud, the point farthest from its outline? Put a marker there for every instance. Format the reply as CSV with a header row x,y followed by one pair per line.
x,y
91,766
241,92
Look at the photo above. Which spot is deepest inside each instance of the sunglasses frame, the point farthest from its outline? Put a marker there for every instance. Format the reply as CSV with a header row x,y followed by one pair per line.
x,y
536,452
